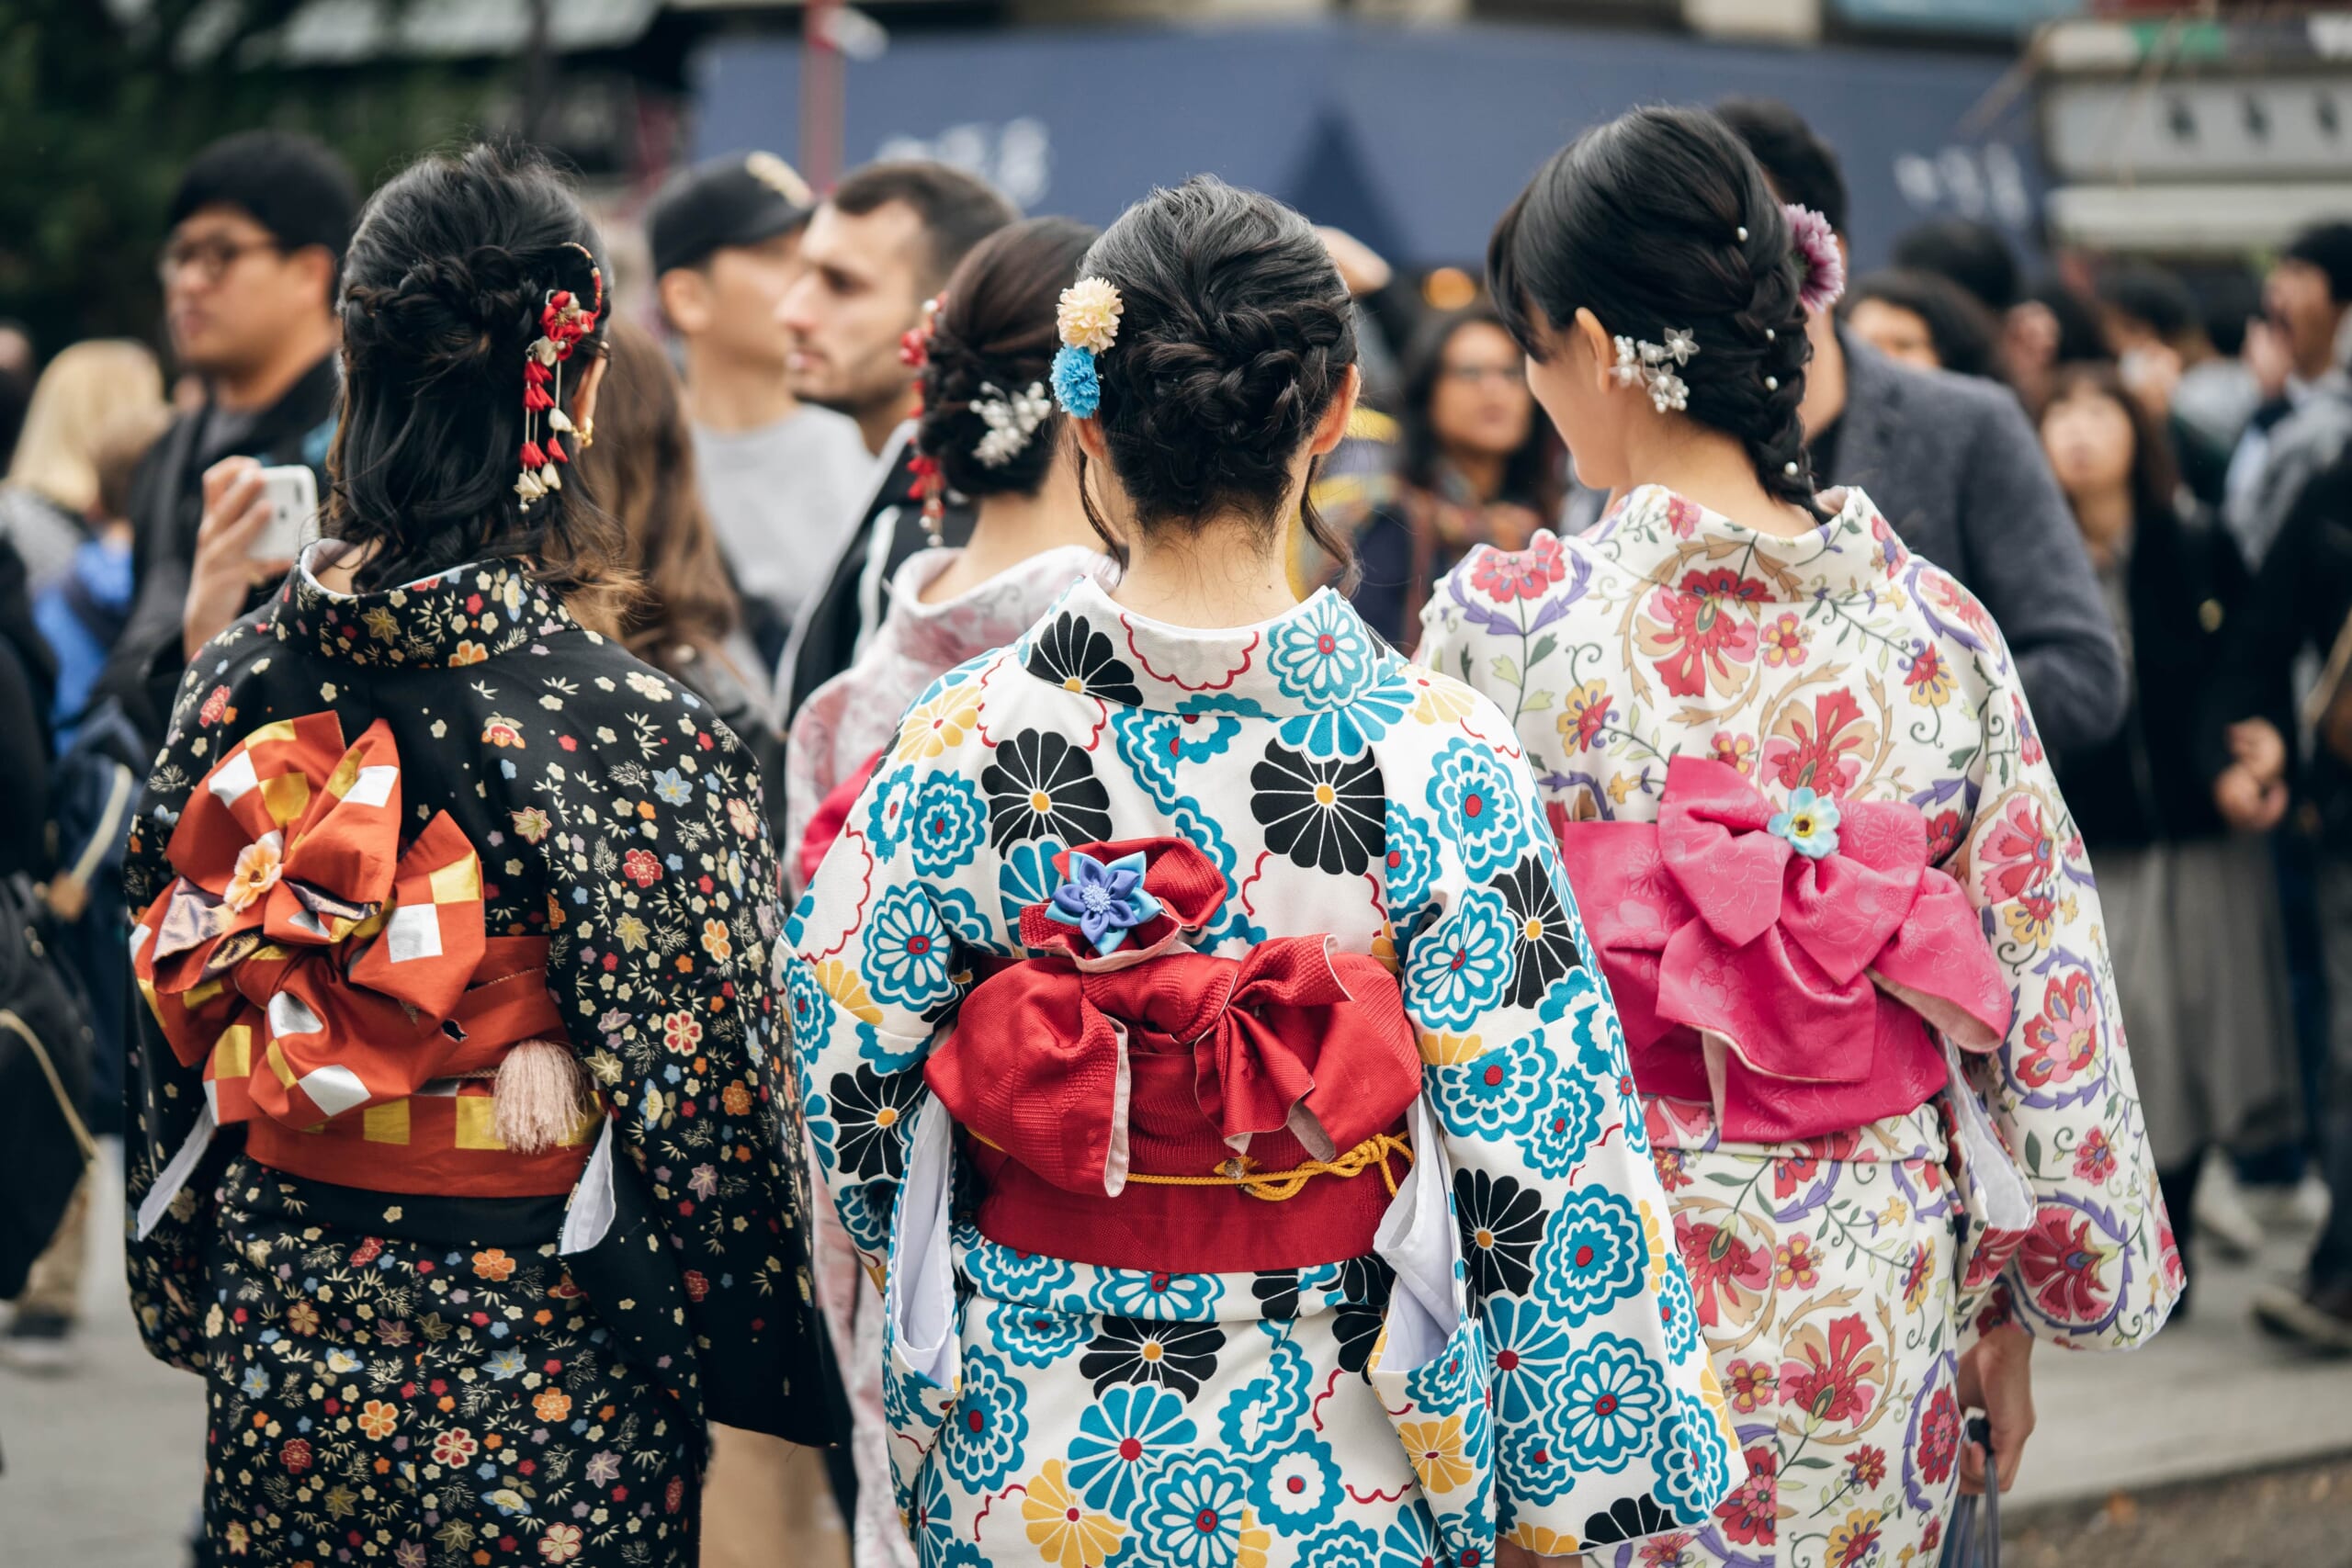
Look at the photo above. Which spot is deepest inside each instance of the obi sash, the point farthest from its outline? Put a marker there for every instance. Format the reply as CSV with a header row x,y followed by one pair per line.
x,y
1785,965
1146,1106
340,990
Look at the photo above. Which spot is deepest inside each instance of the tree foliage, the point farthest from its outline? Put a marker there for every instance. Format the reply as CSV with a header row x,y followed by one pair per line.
x,y
103,101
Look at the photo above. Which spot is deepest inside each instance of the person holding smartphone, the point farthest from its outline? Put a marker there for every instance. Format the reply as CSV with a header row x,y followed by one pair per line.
x,y
259,224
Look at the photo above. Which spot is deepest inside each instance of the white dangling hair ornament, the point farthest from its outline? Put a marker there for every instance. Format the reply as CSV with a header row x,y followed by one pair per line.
x,y
539,1095
1652,365
1012,418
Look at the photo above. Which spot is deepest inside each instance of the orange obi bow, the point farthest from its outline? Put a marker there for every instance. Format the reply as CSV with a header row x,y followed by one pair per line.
x,y
299,937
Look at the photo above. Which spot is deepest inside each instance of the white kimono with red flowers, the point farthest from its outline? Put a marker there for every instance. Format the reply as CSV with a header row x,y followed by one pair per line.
x,y
1822,671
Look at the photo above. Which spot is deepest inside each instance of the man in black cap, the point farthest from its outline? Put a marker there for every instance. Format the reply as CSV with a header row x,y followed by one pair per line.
x,y
258,227
782,478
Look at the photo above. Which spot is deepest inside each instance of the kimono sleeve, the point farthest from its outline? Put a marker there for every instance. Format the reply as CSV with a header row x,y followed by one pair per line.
x,y
667,905
878,955
164,1101
1609,1424
2098,1268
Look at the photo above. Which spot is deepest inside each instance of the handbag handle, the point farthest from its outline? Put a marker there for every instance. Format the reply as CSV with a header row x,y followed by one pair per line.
x,y
1974,1541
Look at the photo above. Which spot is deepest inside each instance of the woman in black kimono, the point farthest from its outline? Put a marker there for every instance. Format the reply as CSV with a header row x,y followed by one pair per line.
x,y
452,1174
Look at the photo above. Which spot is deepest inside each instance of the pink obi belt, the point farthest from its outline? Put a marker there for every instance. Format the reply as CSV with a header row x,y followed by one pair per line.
x,y
1129,1102
1785,965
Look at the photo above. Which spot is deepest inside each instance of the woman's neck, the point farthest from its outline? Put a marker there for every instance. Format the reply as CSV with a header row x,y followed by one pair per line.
x,y
1714,469
1225,572
2106,517
1482,471
1009,529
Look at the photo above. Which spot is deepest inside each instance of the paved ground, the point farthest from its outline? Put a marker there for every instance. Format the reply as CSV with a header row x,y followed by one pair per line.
x,y
2211,1446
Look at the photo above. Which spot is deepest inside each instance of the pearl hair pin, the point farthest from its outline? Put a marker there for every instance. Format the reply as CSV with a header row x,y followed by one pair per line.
x,y
1743,233
1771,383
1789,469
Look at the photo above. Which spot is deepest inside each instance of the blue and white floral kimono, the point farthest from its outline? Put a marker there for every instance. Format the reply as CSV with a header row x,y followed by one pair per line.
x,y
1533,1371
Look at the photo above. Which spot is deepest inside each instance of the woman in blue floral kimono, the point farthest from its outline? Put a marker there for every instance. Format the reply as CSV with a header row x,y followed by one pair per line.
x,y
1201,1043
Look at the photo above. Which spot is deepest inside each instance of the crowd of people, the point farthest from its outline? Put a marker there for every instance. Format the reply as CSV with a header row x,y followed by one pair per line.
x,y
530,921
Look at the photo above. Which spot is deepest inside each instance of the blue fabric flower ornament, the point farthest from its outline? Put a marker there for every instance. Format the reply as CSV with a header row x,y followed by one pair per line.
x,y
1105,902
1076,386
1810,824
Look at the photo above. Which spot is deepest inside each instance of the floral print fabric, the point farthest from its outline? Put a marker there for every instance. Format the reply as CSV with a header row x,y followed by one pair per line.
x,y
614,815
1339,791
1841,663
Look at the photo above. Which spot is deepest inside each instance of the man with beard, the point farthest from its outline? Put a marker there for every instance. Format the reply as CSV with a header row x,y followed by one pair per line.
x,y
874,253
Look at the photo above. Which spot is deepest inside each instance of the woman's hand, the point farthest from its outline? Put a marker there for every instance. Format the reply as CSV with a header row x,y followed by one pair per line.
x,y
235,511
1997,1377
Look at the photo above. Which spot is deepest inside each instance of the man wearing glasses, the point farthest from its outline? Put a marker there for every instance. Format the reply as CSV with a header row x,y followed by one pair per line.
x,y
249,272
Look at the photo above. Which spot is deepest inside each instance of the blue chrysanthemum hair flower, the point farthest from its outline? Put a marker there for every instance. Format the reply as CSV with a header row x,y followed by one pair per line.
x,y
1086,319
1076,386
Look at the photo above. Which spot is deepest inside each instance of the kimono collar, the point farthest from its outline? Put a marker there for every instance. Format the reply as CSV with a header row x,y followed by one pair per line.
x,y
1853,553
462,615
1320,656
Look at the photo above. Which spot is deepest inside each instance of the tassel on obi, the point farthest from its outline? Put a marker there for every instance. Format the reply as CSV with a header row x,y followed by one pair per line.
x,y
541,1096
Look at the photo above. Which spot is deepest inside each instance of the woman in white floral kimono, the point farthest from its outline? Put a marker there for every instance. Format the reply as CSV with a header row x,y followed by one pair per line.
x,y
1826,865
1220,957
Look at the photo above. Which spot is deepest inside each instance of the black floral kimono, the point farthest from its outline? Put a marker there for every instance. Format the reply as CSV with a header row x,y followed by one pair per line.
x,y
423,1347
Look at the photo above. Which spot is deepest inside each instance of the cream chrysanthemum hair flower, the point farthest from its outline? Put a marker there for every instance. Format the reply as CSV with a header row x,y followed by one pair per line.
x,y
1089,314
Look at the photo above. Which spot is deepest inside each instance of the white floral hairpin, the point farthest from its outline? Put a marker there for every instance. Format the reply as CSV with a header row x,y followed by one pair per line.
x,y
1653,366
1012,418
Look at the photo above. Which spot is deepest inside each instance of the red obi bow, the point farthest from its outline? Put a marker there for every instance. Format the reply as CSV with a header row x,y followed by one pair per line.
x,y
1293,1036
1767,943
300,939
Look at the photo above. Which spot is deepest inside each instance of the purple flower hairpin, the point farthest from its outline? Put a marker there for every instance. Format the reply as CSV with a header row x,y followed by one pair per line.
x,y
1105,902
1824,264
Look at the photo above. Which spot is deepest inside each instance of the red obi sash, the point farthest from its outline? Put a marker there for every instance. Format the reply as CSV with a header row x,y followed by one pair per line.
x,y
340,991
1783,966
1137,1109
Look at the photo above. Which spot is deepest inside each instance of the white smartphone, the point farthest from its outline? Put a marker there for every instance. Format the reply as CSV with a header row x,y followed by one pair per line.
x,y
292,492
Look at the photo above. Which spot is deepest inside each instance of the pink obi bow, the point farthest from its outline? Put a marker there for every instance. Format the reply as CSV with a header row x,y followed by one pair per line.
x,y
1293,1036
1782,966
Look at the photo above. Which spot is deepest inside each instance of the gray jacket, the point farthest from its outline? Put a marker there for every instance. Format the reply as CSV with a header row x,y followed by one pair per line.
x,y
1957,468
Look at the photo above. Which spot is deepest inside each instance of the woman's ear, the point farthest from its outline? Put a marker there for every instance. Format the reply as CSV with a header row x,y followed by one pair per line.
x,y
1090,439
1587,333
584,396
1333,427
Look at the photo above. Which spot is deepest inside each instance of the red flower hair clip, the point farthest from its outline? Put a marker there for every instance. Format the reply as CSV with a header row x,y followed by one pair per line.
x,y
564,319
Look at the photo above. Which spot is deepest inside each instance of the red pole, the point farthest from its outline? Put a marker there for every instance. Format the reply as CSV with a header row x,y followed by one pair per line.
x,y
822,100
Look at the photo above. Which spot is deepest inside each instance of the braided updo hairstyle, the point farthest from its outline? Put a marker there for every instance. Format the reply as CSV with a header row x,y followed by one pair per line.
x,y
996,329
442,289
1640,221
1236,336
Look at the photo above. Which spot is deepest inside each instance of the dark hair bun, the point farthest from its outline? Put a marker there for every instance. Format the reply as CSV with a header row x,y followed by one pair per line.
x,y
995,330
443,286
1661,220
1236,336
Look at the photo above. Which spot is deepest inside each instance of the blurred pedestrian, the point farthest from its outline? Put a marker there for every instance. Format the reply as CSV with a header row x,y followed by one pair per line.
x,y
516,973
1923,319
2157,334
1969,252
82,609
46,504
877,251
990,423
2192,909
1722,763
1475,466
678,611
258,227
1955,467
781,479
17,364
2297,352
